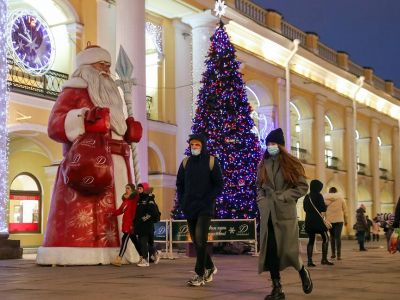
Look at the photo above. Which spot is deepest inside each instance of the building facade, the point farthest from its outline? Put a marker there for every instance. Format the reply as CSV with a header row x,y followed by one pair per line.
x,y
340,119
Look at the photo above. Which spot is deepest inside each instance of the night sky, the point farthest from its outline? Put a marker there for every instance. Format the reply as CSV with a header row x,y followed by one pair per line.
x,y
368,30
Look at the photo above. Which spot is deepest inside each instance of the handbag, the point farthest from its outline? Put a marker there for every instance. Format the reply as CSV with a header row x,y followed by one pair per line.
x,y
327,224
87,167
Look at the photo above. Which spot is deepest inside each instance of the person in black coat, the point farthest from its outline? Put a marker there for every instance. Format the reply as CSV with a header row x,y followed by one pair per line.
x,y
396,222
199,182
146,216
314,206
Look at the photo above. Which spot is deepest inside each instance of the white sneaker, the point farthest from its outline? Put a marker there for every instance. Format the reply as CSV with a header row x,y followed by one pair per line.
x,y
156,257
143,263
196,280
209,274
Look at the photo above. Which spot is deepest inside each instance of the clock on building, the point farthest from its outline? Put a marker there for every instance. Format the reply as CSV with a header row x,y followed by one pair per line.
x,y
30,42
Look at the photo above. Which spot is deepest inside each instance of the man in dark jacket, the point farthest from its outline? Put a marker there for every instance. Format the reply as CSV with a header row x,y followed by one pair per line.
x,y
361,226
199,182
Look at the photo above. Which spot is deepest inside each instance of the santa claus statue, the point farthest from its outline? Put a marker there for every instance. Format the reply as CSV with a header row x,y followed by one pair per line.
x,y
80,228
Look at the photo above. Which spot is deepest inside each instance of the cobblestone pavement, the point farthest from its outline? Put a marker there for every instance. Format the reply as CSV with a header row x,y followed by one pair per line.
x,y
374,274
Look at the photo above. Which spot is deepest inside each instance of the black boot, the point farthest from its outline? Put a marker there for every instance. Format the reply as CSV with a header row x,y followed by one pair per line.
x,y
309,255
325,260
362,248
306,281
333,248
277,293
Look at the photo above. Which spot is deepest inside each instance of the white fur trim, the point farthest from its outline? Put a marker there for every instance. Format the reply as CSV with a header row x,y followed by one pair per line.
x,y
74,124
92,55
77,256
75,82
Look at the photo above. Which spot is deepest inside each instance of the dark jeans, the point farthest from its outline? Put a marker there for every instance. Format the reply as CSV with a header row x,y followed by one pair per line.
x,y
124,243
147,245
272,259
336,238
198,229
361,238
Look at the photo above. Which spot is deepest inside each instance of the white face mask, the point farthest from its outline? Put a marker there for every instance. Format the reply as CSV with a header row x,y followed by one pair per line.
x,y
273,150
195,152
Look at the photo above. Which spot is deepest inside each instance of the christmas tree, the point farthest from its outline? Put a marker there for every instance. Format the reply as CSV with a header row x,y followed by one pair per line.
x,y
223,116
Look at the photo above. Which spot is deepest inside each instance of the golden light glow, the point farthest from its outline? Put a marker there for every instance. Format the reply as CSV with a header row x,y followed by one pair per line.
x,y
276,53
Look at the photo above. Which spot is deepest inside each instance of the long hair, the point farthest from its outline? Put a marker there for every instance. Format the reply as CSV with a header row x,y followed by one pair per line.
x,y
292,168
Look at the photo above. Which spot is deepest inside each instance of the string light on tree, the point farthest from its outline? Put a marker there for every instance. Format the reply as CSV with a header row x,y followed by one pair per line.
x,y
223,116
3,121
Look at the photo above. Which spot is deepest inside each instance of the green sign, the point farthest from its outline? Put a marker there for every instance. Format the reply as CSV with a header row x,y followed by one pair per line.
x,y
220,230
160,231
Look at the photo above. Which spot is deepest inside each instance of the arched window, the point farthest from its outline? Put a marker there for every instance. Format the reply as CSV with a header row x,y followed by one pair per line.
x,y
25,204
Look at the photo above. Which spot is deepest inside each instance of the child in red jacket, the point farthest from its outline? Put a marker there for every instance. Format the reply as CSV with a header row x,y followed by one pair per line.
x,y
128,208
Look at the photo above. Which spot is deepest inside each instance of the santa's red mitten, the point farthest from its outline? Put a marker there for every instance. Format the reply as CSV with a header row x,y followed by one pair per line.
x,y
134,131
97,120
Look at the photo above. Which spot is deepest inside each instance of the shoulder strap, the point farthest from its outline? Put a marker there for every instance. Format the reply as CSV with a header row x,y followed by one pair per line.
x,y
212,160
184,161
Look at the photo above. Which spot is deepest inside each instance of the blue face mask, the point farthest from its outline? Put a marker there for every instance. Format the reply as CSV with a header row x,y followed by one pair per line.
x,y
195,152
273,150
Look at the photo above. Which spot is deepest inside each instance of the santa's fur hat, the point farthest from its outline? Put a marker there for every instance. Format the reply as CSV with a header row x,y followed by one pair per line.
x,y
92,54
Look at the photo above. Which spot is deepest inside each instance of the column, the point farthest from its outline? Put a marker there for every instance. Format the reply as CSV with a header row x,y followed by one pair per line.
x,y
266,114
396,163
203,26
74,32
363,151
337,136
183,90
283,111
374,163
130,33
106,23
319,137
306,139
350,157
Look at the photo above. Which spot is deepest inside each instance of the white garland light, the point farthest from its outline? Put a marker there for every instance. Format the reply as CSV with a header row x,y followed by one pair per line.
x,y
3,120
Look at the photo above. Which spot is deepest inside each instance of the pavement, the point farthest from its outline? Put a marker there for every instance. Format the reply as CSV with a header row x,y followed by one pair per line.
x,y
374,274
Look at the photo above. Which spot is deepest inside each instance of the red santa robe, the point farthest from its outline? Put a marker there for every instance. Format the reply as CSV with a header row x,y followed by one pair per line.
x,y
79,231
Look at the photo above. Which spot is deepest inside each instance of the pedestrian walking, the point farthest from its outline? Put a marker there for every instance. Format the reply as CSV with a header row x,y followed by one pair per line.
x,y
315,209
336,214
375,229
368,232
361,226
396,221
128,208
281,181
199,182
146,215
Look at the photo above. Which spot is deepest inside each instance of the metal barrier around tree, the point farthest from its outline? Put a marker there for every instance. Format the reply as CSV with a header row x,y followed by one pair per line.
x,y
221,230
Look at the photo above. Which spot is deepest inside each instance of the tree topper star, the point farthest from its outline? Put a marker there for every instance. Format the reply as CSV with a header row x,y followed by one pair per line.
x,y
220,8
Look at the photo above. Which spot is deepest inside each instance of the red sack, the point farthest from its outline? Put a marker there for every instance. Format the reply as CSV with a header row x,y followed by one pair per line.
x,y
97,120
87,167
134,131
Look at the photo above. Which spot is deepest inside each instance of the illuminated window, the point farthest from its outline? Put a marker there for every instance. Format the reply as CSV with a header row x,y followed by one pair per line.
x,y
25,205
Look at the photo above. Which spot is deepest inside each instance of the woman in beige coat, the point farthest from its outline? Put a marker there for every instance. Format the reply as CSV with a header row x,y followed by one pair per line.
x,y
336,213
280,182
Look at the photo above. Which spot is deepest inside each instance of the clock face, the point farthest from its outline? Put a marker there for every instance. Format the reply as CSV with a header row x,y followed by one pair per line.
x,y
31,42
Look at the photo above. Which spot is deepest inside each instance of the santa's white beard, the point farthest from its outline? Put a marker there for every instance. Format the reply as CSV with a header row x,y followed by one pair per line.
x,y
103,92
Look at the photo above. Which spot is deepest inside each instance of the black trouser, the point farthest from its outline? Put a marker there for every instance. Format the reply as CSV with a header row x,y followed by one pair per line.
x,y
336,238
361,238
375,237
198,229
272,259
147,245
124,243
